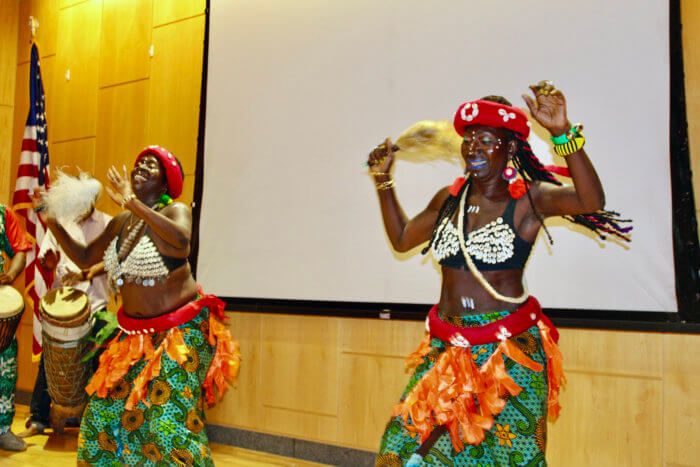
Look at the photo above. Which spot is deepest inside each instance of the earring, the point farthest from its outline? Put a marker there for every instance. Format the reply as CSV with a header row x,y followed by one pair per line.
x,y
509,174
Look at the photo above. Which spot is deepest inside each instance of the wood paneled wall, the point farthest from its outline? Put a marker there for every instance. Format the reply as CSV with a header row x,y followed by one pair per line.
x,y
9,12
118,75
632,398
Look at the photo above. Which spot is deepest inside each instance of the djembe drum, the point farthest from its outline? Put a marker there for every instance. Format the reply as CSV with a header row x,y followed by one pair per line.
x,y
11,309
65,323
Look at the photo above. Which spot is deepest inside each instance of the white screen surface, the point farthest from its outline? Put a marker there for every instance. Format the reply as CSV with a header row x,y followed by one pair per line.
x,y
300,92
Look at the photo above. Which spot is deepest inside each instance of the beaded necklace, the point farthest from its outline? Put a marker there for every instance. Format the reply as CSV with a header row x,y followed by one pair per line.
x,y
467,258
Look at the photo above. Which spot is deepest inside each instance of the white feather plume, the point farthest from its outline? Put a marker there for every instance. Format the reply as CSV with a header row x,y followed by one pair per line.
x,y
71,197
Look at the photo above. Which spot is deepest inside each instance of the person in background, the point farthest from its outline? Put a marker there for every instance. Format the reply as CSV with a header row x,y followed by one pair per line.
x,y
14,244
92,281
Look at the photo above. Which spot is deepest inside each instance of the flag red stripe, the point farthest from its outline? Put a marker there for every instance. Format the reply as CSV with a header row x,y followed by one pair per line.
x,y
27,170
29,145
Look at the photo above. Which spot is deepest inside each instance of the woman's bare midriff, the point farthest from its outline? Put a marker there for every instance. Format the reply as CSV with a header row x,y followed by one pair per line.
x,y
462,294
149,302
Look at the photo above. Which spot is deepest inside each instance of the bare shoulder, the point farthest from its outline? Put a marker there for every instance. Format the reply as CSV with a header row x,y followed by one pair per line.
x,y
176,209
439,199
118,220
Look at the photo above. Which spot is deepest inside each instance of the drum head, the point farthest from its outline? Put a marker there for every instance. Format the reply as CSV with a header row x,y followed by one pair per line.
x,y
11,301
64,304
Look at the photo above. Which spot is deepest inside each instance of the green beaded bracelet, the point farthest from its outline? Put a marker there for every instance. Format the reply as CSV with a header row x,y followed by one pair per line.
x,y
574,132
570,147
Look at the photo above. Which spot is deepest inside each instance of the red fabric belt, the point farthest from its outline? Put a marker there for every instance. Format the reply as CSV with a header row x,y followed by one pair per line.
x,y
518,321
170,320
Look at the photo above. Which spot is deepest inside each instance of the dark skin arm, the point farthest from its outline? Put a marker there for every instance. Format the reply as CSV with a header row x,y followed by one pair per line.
x,y
586,195
16,266
404,233
84,256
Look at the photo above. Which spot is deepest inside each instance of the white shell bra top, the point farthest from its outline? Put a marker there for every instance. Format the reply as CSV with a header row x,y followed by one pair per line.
x,y
493,247
144,265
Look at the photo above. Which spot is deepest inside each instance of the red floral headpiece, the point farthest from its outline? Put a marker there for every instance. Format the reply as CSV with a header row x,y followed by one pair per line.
x,y
491,114
173,174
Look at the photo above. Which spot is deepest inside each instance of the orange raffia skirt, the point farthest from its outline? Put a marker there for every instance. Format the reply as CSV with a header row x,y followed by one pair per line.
x,y
466,386
135,343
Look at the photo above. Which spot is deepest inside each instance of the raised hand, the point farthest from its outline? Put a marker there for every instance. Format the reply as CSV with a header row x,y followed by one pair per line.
x,y
381,159
121,190
50,259
548,107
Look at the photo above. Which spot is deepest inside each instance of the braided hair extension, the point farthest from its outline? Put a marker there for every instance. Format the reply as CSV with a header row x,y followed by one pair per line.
x,y
530,168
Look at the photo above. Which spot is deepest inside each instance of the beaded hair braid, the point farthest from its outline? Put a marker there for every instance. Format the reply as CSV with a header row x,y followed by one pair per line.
x,y
601,222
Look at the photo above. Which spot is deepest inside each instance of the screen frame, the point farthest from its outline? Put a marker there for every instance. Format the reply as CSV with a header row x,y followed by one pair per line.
x,y
685,233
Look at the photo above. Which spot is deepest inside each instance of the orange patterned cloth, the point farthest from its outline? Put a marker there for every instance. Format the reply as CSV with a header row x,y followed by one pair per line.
x,y
126,350
465,398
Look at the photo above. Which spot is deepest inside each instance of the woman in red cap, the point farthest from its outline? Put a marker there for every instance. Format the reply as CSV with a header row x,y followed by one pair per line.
x,y
172,352
488,373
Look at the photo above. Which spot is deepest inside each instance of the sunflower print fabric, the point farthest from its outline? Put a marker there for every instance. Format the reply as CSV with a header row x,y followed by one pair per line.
x,y
8,381
167,432
519,433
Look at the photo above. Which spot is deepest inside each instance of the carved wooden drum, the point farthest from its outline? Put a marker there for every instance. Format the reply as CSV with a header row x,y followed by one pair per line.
x,y
65,316
11,310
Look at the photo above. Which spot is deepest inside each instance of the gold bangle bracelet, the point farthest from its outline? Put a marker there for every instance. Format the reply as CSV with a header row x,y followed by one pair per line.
x,y
127,199
386,185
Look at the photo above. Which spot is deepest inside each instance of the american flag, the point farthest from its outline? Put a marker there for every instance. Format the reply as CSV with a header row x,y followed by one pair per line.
x,y
33,174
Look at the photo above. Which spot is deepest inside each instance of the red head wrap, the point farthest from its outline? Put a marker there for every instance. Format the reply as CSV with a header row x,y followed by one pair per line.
x,y
173,174
491,114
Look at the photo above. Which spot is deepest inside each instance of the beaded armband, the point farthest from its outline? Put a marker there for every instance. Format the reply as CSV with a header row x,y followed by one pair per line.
x,y
570,146
574,132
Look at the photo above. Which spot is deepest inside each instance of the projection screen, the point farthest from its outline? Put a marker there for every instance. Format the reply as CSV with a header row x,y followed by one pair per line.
x,y
299,92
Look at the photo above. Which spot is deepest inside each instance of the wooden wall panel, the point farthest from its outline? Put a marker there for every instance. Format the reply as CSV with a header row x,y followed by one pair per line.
x,y
612,352
20,116
187,190
6,178
176,75
46,13
78,50
9,16
126,38
121,129
70,3
608,421
303,425
300,363
389,338
26,369
242,405
9,12
169,11
369,387
681,431
71,156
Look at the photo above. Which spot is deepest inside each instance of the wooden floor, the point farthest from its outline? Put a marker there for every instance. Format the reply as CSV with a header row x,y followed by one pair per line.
x,y
58,451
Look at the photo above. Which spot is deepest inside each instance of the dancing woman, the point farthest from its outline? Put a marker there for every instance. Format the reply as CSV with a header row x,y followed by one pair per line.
x,y
172,353
488,373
